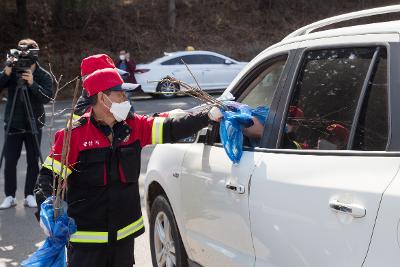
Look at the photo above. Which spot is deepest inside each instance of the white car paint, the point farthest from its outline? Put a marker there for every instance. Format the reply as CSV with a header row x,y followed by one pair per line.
x,y
222,212
290,211
209,76
283,218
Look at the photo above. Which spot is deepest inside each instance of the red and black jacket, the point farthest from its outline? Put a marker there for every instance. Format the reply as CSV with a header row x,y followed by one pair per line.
x,y
103,191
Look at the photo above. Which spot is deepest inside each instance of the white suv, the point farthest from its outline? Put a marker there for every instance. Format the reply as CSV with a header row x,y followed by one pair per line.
x,y
322,188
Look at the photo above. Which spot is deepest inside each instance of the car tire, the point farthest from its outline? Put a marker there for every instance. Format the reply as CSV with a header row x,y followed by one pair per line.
x,y
165,239
167,89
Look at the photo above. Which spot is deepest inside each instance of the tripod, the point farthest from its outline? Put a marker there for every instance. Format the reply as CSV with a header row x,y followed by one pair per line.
x,y
22,88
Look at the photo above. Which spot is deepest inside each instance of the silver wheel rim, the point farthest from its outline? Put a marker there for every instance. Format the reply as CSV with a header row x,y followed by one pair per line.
x,y
168,88
163,243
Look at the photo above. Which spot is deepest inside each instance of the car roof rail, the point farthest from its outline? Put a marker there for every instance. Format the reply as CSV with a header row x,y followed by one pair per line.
x,y
344,17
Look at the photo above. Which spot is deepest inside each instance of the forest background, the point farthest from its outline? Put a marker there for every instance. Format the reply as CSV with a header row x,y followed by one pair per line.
x,y
69,30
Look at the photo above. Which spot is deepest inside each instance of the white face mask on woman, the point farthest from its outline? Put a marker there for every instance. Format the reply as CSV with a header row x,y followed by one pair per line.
x,y
121,110
122,57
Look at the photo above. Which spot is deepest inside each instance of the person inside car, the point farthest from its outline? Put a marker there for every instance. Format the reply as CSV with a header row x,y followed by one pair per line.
x,y
335,139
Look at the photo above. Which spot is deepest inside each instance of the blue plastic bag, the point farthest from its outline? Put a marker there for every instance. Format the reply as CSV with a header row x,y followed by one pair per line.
x,y
52,253
236,118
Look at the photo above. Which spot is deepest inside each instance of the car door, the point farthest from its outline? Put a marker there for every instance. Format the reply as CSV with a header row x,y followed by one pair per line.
x,y
316,191
218,72
177,68
215,191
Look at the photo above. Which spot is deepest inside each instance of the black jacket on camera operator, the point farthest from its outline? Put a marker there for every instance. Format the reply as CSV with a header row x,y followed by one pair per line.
x,y
39,87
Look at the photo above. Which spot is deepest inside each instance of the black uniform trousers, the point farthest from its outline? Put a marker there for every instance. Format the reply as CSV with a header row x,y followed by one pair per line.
x,y
12,153
121,254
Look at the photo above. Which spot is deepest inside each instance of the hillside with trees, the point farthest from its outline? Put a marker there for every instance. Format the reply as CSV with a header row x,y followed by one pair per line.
x,y
68,30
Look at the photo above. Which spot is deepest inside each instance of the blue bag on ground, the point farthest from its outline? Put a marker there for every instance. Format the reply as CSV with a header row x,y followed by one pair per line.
x,y
52,253
236,118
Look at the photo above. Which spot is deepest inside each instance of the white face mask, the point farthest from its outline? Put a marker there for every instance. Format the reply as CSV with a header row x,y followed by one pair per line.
x,y
121,110
122,57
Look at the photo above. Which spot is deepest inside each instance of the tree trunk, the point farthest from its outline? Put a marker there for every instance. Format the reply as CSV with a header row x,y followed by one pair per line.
x,y
171,14
22,17
59,13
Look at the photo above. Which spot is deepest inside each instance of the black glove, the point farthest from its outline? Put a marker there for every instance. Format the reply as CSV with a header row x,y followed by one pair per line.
x,y
41,192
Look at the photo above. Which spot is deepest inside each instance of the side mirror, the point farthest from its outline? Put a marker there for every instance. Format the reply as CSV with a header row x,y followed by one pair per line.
x,y
228,62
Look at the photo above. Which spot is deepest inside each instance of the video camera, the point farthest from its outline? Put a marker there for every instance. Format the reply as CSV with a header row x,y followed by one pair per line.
x,y
22,58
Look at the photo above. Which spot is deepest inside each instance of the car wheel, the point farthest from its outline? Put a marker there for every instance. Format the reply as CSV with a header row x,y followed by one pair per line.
x,y
166,245
167,89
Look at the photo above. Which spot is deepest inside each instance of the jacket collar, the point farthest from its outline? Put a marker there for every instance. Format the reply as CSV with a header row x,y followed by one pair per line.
x,y
120,130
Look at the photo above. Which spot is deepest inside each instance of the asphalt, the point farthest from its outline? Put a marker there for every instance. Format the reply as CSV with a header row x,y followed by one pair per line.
x,y
20,234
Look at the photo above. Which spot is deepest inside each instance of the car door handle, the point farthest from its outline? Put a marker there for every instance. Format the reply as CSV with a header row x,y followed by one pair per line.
x,y
354,210
238,188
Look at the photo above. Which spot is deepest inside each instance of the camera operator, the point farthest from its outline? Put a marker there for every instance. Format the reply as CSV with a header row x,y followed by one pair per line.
x,y
39,90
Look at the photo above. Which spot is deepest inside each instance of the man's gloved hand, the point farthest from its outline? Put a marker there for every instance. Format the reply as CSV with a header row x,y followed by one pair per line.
x,y
41,192
215,114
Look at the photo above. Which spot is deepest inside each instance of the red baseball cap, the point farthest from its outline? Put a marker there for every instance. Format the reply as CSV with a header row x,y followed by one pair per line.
x,y
102,61
97,62
104,79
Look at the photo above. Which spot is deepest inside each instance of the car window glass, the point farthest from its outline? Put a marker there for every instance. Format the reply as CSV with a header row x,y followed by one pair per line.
x,y
325,98
373,126
209,59
262,89
193,59
173,61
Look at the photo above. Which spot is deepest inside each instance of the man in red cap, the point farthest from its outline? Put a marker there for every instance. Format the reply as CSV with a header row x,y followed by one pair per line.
x,y
103,170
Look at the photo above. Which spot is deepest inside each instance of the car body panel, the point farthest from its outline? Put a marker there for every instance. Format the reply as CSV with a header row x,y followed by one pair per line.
x,y
160,171
217,225
385,247
292,223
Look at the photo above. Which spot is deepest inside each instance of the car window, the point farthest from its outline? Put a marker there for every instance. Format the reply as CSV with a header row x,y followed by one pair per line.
x,y
260,87
261,90
209,59
173,61
325,98
194,59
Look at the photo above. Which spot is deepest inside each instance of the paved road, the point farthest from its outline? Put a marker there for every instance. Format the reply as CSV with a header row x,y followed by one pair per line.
x,y
20,234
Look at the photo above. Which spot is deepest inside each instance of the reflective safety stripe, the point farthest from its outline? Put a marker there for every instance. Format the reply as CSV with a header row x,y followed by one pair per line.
x,y
89,237
102,237
130,229
157,130
55,165
75,117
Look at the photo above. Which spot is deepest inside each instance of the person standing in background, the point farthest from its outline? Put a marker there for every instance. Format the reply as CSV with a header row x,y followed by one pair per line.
x,y
127,64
